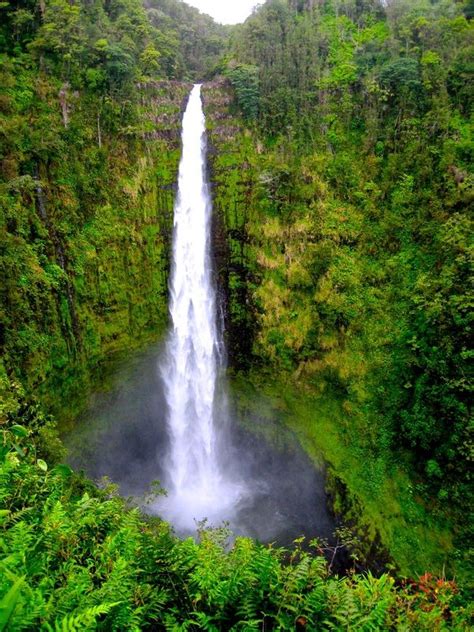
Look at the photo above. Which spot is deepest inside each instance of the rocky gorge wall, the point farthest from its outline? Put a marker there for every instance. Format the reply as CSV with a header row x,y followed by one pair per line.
x,y
87,223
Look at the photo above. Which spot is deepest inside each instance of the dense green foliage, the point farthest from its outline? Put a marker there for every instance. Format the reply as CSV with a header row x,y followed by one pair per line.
x,y
197,42
109,45
75,558
343,197
88,163
355,218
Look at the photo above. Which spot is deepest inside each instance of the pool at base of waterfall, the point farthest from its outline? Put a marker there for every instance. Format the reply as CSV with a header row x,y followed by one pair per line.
x,y
272,493
172,420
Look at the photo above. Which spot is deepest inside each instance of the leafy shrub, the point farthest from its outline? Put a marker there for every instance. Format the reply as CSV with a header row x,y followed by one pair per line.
x,y
76,558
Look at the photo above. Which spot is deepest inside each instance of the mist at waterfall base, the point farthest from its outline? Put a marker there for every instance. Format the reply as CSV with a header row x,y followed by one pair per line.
x,y
212,470
124,436
193,357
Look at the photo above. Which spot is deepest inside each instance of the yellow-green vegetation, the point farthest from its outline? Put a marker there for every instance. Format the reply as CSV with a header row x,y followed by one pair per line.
x,y
341,164
346,195
86,244
86,196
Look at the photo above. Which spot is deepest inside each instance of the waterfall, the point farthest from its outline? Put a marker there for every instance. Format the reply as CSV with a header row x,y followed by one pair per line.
x,y
192,360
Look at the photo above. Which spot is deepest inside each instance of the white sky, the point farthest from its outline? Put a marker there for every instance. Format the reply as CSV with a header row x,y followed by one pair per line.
x,y
225,11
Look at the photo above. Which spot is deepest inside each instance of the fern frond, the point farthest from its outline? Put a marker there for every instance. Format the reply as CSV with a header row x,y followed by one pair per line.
x,y
79,622
8,603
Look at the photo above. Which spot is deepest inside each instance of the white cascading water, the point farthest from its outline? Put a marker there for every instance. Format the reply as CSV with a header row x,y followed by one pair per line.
x,y
190,369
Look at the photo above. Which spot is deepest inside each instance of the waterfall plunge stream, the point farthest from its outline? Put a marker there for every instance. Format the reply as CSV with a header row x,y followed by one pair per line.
x,y
173,423
193,358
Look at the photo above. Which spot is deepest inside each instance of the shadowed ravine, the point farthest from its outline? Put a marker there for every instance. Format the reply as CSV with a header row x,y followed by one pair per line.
x,y
169,418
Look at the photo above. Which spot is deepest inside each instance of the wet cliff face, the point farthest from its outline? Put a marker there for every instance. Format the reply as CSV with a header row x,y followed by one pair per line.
x,y
88,213
274,242
233,177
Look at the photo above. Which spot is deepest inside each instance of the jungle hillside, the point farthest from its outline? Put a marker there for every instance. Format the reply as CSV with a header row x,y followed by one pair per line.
x,y
340,166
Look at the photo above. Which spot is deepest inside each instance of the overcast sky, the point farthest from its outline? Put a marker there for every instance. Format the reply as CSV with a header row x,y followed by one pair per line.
x,y
225,11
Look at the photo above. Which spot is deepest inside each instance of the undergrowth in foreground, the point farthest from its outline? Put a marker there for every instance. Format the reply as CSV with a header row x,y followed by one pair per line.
x,y
74,557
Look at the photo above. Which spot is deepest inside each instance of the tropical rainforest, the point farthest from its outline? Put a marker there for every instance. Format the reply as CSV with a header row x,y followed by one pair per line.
x,y
341,164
